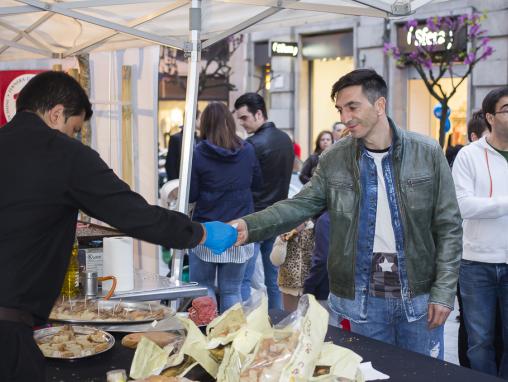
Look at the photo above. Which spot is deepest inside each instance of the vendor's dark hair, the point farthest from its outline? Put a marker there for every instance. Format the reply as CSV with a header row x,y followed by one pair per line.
x,y
48,89
490,100
253,101
218,126
373,85
477,124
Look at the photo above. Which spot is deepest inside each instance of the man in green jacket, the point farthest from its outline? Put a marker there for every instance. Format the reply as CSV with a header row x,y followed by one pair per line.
x,y
396,234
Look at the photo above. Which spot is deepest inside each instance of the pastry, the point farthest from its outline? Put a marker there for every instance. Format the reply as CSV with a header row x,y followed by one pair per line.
x,y
160,338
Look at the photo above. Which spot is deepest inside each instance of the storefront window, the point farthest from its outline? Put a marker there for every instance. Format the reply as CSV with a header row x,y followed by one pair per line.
x,y
171,119
421,117
324,72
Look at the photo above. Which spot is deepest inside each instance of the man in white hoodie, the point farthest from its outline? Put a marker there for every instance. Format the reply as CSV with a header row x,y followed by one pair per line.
x,y
480,173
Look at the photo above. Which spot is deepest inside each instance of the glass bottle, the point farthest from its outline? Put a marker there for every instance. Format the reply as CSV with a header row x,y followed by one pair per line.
x,y
70,287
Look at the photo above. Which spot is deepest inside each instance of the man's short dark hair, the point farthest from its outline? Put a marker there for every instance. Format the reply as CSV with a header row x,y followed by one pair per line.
x,y
48,89
373,85
253,102
477,124
491,99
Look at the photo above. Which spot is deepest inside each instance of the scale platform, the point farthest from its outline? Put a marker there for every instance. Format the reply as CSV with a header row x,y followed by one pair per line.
x,y
151,286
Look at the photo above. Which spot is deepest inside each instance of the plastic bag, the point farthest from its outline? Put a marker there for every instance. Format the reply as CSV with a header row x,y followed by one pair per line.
x,y
290,352
279,250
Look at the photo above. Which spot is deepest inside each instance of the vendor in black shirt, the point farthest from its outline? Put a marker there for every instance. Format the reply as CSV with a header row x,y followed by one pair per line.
x,y
46,176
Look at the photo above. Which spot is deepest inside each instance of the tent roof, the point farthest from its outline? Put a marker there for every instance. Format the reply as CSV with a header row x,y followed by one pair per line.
x,y
36,29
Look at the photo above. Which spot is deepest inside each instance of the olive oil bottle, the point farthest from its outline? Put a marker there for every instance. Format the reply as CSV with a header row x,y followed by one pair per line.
x,y
70,287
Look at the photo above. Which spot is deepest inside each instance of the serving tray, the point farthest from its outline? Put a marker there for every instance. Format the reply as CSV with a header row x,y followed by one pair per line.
x,y
108,312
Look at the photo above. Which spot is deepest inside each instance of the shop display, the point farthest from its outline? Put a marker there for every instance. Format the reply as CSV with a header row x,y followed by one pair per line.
x,y
72,342
100,311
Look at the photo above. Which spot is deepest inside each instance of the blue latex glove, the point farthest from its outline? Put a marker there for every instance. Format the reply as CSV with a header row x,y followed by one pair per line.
x,y
219,236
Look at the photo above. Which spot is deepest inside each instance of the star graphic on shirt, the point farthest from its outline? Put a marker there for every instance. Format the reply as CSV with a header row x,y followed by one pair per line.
x,y
386,266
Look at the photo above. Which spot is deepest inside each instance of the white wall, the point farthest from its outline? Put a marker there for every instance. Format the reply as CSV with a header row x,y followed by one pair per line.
x,y
106,83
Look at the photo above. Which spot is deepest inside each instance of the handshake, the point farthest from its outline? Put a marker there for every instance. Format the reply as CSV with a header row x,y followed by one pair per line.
x,y
220,236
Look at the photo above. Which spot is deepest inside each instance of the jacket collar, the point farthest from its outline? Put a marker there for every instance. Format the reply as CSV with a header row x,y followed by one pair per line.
x,y
397,141
264,126
482,142
27,119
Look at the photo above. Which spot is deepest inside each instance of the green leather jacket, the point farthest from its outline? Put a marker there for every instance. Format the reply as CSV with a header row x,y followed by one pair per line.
x,y
430,214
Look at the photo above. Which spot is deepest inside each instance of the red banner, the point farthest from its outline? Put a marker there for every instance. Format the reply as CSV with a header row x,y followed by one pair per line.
x,y
11,83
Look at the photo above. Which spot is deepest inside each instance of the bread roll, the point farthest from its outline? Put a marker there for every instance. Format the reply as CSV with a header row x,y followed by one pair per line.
x,y
160,338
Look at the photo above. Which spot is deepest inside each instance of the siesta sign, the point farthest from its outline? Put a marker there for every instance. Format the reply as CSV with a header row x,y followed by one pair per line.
x,y
439,40
278,48
425,37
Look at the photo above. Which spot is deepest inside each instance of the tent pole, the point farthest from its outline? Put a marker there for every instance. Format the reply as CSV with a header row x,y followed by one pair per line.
x,y
193,51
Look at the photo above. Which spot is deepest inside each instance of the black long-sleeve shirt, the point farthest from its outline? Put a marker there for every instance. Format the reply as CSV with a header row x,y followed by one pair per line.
x,y
45,177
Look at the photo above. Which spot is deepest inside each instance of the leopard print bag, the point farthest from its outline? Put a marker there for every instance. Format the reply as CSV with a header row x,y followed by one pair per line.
x,y
296,267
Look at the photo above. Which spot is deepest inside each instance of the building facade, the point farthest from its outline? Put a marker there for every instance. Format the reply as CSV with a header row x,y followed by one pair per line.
x,y
297,86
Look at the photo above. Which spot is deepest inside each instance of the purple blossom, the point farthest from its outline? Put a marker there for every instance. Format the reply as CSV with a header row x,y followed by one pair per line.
x,y
387,47
432,23
462,19
474,30
447,21
470,58
486,52
485,41
427,63
412,23
413,55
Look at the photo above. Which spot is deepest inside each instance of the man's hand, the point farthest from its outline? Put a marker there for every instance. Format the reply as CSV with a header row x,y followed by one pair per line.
x,y
241,228
219,236
437,315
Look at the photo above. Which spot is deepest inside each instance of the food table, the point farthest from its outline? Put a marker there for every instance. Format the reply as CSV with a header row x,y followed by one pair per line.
x,y
399,364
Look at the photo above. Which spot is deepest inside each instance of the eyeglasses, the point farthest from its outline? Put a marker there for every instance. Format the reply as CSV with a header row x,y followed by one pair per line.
x,y
500,112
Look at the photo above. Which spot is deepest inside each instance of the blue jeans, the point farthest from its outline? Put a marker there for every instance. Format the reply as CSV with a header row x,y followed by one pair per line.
x,y
271,273
481,284
387,322
229,279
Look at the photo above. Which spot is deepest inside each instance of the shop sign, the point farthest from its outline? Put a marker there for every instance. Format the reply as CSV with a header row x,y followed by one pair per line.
x,y
409,39
289,49
11,83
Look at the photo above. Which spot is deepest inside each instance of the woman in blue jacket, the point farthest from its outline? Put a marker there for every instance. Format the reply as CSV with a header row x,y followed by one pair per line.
x,y
224,171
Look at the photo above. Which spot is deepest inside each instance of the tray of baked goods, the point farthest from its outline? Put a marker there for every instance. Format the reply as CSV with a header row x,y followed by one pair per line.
x,y
87,311
72,341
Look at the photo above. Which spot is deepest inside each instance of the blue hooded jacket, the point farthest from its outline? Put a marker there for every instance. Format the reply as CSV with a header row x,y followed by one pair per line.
x,y
222,181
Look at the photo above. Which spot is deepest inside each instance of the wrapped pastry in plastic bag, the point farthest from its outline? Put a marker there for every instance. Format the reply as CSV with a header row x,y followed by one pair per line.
x,y
290,352
337,363
252,314
192,352
149,358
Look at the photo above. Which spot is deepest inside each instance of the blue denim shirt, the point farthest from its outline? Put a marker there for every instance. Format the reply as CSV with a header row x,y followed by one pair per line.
x,y
356,310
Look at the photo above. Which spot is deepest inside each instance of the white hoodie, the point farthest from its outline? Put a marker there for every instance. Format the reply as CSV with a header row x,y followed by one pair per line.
x,y
485,215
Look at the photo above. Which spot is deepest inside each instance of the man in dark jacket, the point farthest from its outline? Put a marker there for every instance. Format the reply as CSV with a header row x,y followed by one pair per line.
x,y
38,212
275,153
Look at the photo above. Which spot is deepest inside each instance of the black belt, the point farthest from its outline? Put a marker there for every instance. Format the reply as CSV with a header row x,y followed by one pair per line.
x,y
16,315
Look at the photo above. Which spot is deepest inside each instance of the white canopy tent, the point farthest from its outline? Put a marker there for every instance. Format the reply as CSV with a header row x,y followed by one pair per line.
x,y
31,29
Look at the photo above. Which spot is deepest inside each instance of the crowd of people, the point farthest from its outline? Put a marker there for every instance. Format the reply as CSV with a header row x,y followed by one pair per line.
x,y
393,228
